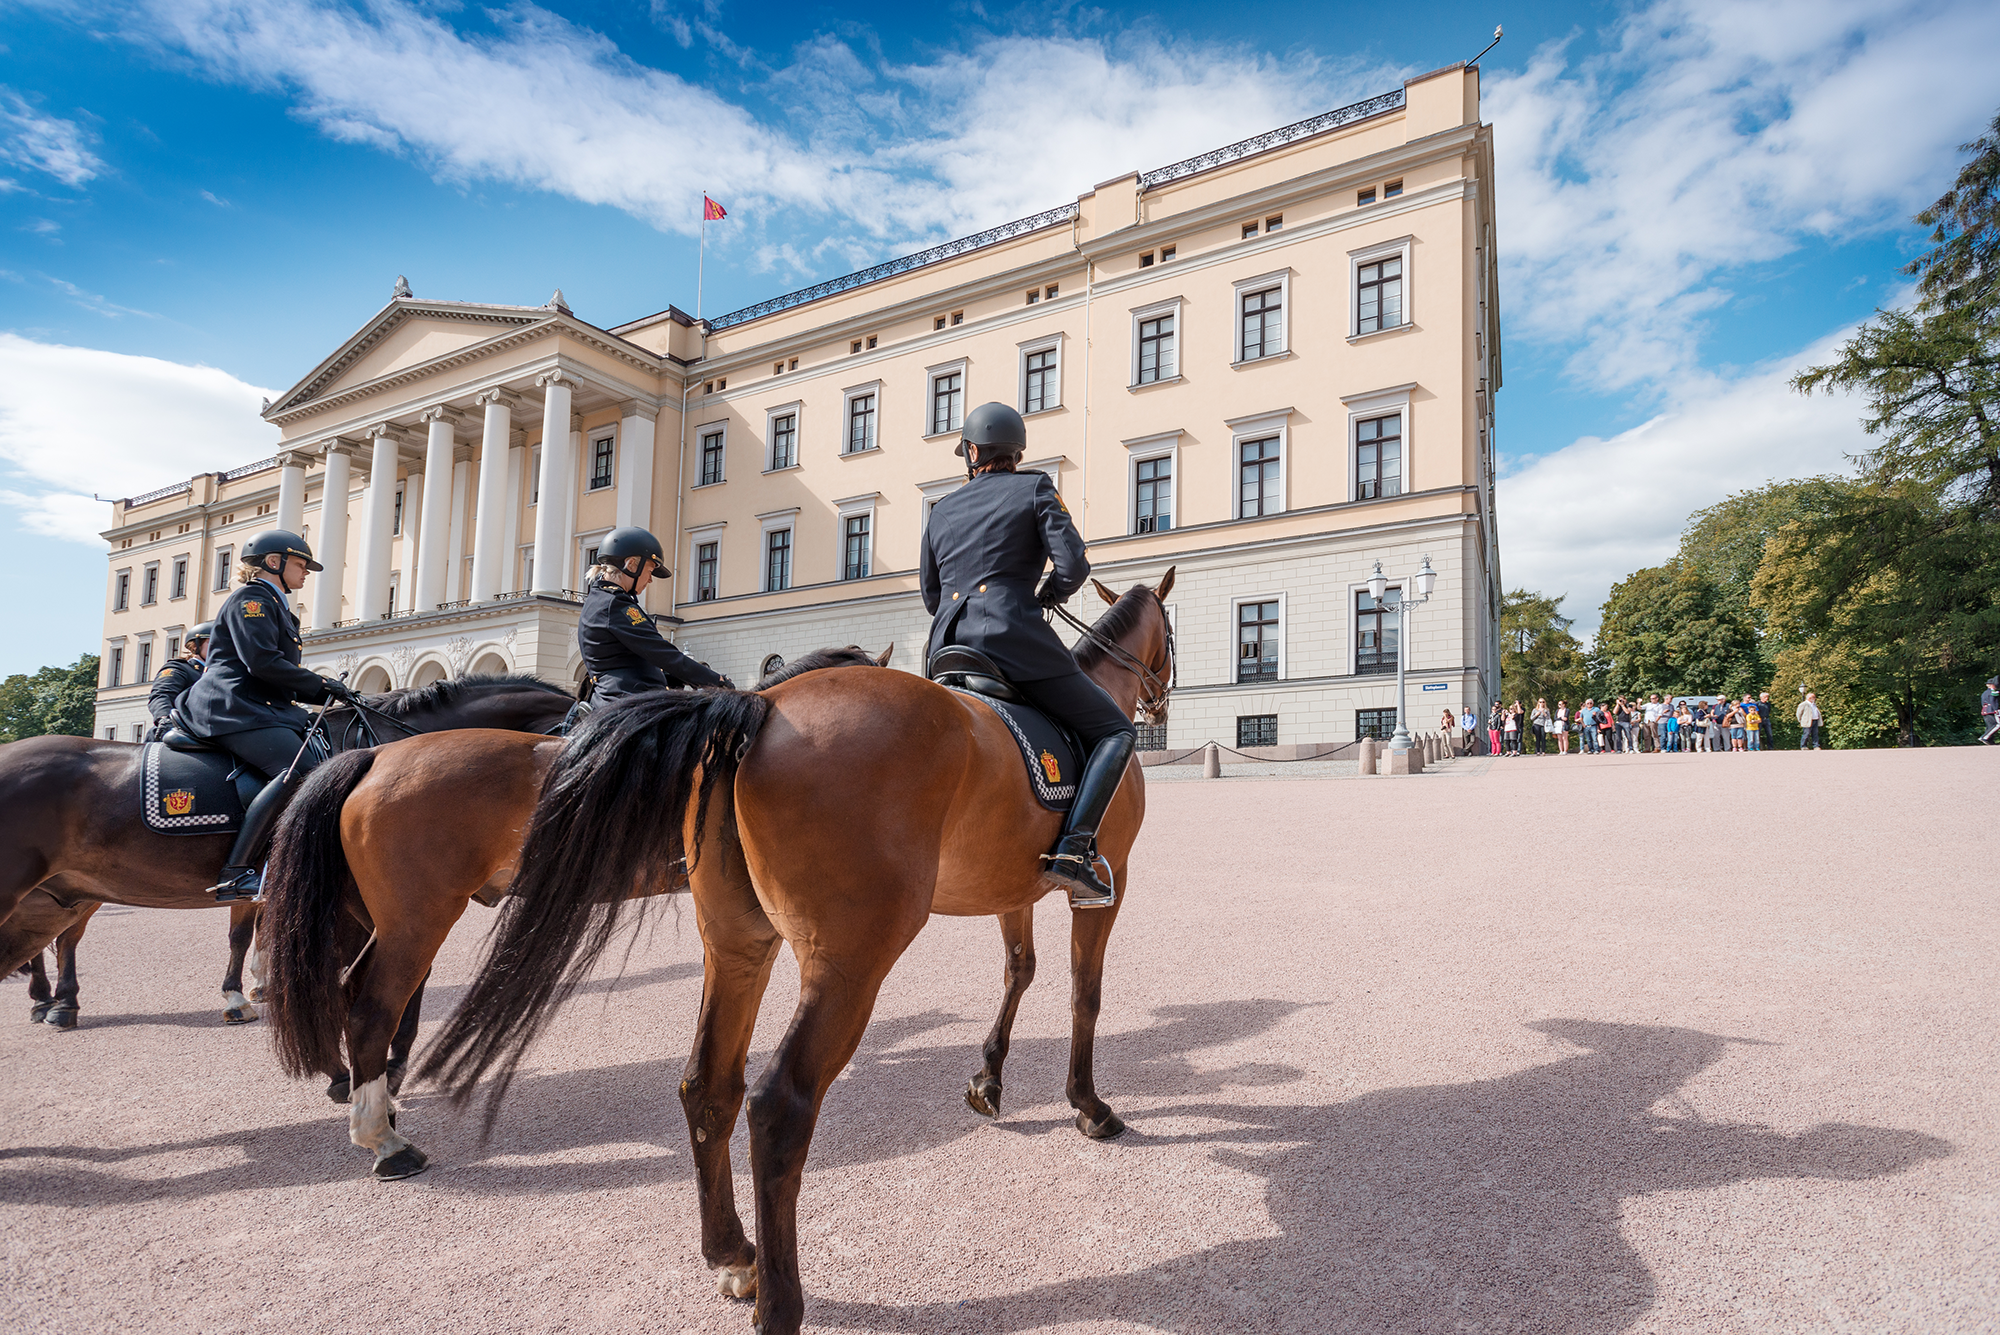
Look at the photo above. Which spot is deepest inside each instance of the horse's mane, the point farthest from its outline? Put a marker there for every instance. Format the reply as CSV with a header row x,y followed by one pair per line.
x,y
1119,618
851,656
451,691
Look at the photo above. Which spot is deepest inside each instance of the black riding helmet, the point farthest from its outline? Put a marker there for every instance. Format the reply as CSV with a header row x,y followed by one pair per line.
x,y
621,544
278,542
201,634
995,425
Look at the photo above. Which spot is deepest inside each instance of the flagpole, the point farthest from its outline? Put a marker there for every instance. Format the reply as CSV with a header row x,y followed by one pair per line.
x,y
701,264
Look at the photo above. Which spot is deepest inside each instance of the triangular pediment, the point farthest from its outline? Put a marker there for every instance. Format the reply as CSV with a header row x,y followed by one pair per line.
x,y
404,333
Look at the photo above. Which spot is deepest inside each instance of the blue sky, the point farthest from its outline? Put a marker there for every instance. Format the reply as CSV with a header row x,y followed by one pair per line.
x,y
200,198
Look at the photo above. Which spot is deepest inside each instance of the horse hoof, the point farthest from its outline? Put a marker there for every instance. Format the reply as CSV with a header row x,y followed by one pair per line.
x,y
983,1096
339,1088
1110,1128
736,1281
39,1011
406,1162
238,1015
256,994
62,1017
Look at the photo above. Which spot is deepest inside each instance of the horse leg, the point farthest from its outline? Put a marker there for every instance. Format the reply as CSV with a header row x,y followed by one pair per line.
x,y
379,996
405,1037
351,939
63,1007
260,950
242,924
38,990
1090,929
1017,933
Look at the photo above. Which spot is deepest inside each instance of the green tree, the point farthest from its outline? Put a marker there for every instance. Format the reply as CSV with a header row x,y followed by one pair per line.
x,y
1539,658
1670,629
1962,270
55,700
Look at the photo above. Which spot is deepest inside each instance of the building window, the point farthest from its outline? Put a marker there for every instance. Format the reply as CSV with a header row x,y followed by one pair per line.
x,y
535,475
1168,252
1391,190
777,560
1049,292
1034,295
114,675
947,402
1152,737
180,584
1378,456
938,323
600,464
527,568
1256,730
173,646
121,598
1249,230
854,546
149,590
1043,385
860,424
222,562
1263,314
711,459
785,440
771,663
1257,641
396,523
1376,631
138,729
1156,349
854,347
705,557
1364,196
1154,510
1379,294
145,672
871,342
1257,478
958,317
1146,260
1377,723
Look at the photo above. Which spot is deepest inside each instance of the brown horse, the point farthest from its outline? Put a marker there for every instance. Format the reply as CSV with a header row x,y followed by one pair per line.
x,y
71,836
835,815
399,840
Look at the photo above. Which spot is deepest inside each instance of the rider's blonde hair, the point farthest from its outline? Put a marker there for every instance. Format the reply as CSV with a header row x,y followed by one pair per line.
x,y
607,570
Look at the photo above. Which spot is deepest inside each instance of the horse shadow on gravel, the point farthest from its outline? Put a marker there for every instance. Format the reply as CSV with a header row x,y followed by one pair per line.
x,y
1488,1206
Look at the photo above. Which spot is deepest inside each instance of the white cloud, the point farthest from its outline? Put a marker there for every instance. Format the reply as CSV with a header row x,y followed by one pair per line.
x,y
47,144
1580,519
74,419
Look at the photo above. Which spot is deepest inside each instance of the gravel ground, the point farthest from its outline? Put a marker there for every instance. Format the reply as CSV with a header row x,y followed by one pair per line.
x,y
1697,1043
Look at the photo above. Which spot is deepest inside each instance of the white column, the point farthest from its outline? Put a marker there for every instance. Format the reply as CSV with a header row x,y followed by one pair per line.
x,y
552,501
571,575
434,557
292,491
413,535
461,478
378,516
635,464
510,541
489,525
332,549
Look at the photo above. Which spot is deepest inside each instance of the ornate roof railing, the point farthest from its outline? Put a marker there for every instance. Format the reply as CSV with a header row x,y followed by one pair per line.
x,y
161,494
247,469
1270,139
950,249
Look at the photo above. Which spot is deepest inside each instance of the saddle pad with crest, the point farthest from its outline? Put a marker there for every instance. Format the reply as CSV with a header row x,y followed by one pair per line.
x,y
1045,748
189,792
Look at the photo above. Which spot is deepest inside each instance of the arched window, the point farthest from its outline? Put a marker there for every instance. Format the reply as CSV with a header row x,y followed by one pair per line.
x,y
771,664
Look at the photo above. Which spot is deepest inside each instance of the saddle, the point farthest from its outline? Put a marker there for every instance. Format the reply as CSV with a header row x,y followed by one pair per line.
x,y
1048,749
191,786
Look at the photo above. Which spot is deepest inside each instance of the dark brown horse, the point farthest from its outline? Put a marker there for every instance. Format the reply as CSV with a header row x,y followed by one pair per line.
x,y
835,815
71,836
399,840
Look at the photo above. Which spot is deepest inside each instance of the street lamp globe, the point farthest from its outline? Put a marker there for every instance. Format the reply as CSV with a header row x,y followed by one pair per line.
x,y
1426,580
1378,583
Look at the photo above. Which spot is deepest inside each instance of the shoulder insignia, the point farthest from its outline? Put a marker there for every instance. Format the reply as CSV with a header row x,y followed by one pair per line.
x,y
167,671
1059,503
252,608
636,616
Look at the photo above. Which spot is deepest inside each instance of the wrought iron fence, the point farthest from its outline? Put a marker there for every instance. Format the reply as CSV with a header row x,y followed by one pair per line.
x,y
1270,139
159,495
247,469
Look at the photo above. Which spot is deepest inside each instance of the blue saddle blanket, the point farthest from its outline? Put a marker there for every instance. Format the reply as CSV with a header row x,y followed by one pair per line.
x,y
1045,749
189,792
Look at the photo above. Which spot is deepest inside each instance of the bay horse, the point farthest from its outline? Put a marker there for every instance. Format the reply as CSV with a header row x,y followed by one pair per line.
x,y
375,859
834,814
71,834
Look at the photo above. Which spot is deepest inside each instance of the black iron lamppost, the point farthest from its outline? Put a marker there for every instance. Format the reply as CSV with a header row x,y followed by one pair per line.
x,y
1378,588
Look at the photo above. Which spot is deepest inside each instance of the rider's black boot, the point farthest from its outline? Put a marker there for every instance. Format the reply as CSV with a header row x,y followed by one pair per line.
x,y
243,876
1075,855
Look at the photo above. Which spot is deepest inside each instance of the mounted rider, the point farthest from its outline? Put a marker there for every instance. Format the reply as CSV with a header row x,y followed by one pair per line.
x,y
983,553
245,700
174,680
622,648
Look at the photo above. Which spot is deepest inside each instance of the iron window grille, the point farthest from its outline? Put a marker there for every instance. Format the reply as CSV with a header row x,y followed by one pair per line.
x,y
854,547
705,555
777,560
1154,508
1376,631
785,440
1257,641
1156,349
1152,737
1257,478
1378,456
600,464
771,663
711,459
1042,390
860,423
1377,723
1380,294
947,402
1256,730
1263,323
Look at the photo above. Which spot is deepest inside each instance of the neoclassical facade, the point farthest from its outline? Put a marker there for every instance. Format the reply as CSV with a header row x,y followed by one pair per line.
x,y
1270,366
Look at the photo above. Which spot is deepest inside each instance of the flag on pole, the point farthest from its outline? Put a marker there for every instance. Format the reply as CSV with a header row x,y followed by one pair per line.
x,y
712,211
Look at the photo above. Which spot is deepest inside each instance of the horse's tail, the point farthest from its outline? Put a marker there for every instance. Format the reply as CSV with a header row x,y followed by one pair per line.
x,y
303,888
608,825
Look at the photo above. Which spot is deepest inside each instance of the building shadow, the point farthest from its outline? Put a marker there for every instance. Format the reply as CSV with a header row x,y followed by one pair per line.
x,y
1488,1206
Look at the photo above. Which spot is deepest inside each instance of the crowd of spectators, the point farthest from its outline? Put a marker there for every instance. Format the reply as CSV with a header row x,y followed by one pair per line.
x,y
1655,726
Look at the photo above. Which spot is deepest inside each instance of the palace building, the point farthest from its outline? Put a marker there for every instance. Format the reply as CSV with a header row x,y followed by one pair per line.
x,y
1270,366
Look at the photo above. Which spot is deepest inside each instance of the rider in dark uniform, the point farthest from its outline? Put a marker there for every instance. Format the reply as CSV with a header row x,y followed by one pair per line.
x,y
173,681
983,554
244,701
622,648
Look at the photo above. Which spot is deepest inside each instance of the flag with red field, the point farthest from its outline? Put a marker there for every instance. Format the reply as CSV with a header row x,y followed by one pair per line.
x,y
712,211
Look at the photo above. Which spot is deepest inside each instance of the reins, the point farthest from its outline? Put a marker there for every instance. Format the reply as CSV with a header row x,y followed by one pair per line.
x,y
1154,688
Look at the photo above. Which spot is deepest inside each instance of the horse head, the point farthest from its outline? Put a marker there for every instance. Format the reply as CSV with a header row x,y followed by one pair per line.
x,y
1136,636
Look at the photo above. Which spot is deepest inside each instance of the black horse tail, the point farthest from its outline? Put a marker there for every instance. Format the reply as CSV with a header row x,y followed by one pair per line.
x,y
608,825
303,888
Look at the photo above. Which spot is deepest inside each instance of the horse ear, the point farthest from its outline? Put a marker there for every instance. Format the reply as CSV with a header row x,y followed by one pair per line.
x,y
1166,585
882,659
1102,592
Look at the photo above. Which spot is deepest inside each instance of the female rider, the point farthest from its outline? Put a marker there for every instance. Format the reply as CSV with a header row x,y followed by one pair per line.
x,y
622,649
175,680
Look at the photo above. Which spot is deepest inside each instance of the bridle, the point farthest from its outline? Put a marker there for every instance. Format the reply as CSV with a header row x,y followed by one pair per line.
x,y
1154,687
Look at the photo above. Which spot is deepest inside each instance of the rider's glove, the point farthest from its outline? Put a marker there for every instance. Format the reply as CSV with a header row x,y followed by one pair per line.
x,y
341,691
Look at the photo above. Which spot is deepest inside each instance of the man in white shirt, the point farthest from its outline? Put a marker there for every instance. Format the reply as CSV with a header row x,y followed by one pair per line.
x,y
1809,721
1651,715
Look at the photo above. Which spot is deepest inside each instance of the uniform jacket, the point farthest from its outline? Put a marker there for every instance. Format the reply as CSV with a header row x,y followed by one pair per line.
x,y
625,651
170,684
253,674
982,556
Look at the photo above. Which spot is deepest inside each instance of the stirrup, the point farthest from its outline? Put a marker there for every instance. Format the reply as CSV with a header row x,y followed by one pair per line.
x,y
247,883
1081,893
